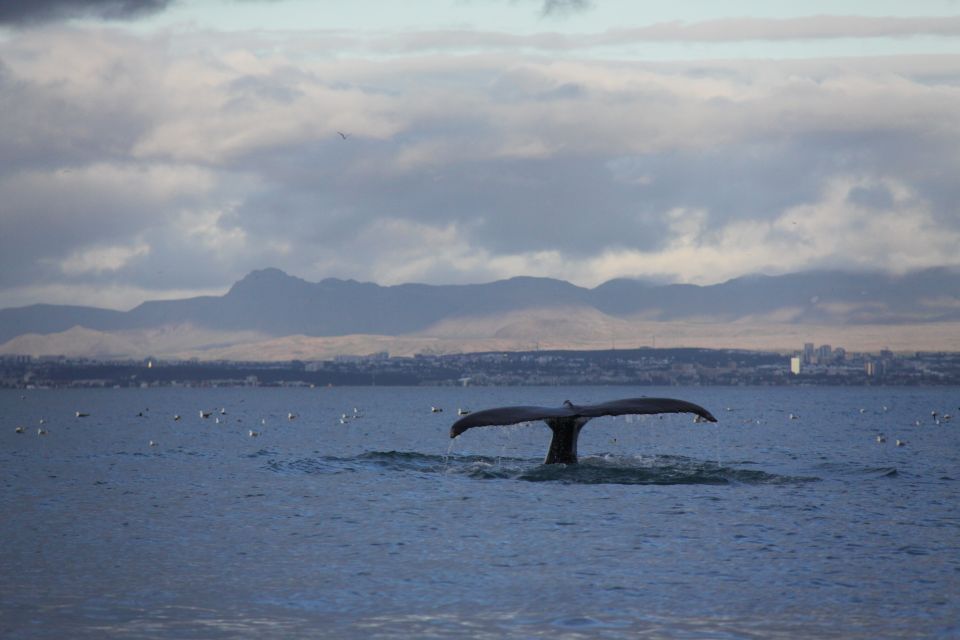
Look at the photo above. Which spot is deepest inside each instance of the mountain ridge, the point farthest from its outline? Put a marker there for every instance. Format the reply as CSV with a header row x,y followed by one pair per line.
x,y
273,304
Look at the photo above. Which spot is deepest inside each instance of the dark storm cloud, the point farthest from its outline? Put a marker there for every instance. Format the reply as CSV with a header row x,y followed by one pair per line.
x,y
23,12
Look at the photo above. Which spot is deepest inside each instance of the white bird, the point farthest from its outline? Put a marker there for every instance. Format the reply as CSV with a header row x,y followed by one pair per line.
x,y
901,443
291,416
19,429
462,412
41,432
436,409
81,414
254,434
881,438
204,414
176,417
153,443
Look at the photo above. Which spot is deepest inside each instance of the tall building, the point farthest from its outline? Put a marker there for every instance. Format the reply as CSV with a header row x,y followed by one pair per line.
x,y
808,352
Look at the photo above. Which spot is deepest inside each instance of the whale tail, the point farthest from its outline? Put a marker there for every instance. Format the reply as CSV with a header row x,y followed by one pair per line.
x,y
566,422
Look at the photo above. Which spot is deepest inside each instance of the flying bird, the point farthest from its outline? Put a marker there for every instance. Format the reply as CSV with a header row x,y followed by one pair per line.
x,y
567,421
343,135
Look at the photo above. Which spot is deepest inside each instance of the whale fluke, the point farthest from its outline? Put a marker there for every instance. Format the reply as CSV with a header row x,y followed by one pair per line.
x,y
567,421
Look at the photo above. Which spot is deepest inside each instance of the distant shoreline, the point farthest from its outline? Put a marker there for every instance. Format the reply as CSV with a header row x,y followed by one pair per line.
x,y
635,367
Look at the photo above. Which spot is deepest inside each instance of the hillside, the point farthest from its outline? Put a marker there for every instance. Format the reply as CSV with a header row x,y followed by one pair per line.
x,y
277,316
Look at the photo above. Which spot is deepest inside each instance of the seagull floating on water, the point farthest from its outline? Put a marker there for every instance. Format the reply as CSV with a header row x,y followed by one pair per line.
x,y
19,429
81,414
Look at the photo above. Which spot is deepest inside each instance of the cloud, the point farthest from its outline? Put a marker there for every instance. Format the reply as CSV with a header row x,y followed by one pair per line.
x,y
554,7
819,27
23,12
723,30
833,231
136,164
101,259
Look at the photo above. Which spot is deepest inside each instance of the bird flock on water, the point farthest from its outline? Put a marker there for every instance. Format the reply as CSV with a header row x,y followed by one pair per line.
x,y
220,416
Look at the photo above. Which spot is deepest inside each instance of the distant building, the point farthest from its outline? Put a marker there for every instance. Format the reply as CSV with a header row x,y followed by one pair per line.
x,y
824,353
873,368
808,353
795,365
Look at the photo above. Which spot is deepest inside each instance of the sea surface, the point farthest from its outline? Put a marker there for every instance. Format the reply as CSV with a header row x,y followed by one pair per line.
x,y
786,519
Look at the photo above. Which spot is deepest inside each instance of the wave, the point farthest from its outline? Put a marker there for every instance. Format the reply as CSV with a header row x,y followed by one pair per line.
x,y
605,469
653,470
854,469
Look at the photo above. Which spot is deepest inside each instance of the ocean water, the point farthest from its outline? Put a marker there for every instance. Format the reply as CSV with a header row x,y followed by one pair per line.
x,y
760,526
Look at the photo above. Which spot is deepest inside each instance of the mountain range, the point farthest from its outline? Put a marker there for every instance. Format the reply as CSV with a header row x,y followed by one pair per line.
x,y
268,309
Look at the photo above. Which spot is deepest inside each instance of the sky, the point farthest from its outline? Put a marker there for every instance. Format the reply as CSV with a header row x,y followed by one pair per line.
x,y
154,149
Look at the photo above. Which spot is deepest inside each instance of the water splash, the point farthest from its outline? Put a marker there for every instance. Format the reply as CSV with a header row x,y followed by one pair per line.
x,y
602,469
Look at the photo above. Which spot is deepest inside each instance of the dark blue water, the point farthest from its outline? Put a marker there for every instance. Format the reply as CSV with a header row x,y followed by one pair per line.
x,y
760,526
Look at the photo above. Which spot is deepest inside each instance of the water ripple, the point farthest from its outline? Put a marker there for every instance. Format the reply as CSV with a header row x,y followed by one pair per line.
x,y
655,470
